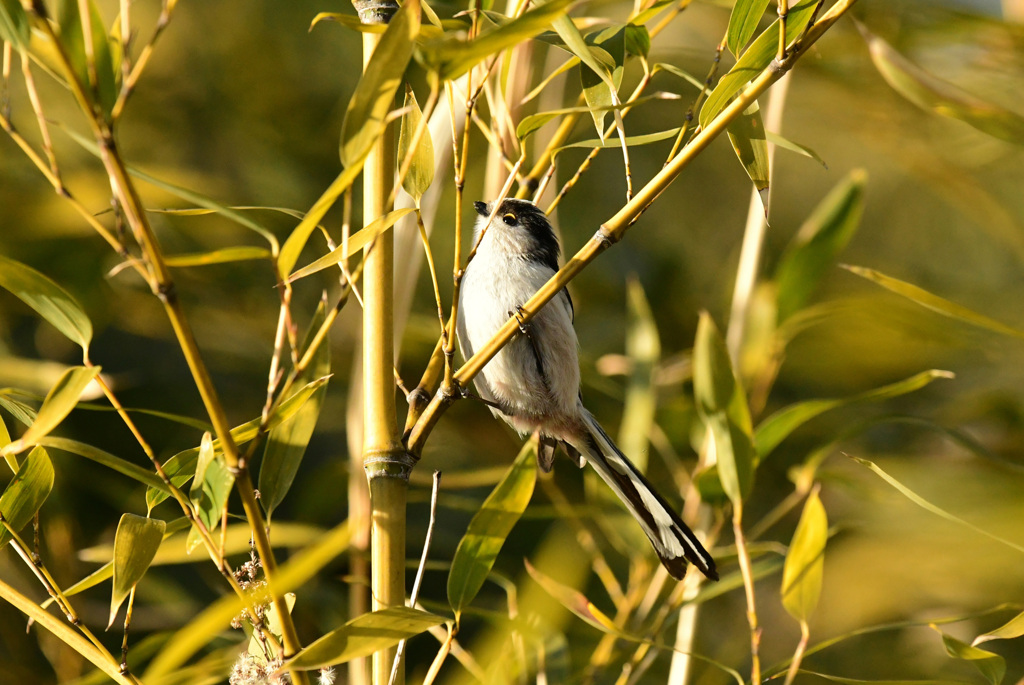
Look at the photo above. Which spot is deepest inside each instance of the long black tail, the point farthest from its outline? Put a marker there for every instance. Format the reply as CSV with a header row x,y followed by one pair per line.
x,y
673,541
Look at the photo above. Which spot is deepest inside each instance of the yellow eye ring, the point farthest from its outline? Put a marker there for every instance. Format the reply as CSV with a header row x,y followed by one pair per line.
x,y
509,219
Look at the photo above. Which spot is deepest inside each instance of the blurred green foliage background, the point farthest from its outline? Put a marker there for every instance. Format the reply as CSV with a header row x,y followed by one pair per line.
x,y
244,104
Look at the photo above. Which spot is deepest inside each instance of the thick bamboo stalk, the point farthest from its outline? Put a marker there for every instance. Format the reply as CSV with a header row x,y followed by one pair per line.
x,y
384,457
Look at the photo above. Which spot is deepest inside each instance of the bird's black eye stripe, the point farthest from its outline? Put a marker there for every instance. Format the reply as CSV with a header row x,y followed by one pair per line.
x,y
509,219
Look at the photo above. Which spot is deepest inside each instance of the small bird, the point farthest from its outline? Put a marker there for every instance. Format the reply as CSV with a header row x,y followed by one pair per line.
x,y
533,383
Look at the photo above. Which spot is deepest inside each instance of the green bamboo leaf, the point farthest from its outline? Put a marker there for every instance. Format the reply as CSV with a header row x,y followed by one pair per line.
x,y
210,489
813,250
287,443
989,664
934,302
292,247
489,528
135,544
643,348
421,169
787,144
631,141
646,15
598,89
113,462
375,93
928,506
756,58
16,408
676,71
228,254
777,427
257,643
638,40
61,399
14,24
356,242
933,94
364,635
50,300
25,494
453,57
722,406
805,561
533,122
198,633
1013,628
575,601
5,439
72,38
746,133
181,467
746,15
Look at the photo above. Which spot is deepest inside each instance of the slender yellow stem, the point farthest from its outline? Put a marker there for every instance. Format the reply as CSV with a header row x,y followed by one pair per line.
x,y
748,590
798,655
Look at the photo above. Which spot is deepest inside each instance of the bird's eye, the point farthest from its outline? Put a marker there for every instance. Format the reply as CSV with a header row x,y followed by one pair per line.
x,y
509,219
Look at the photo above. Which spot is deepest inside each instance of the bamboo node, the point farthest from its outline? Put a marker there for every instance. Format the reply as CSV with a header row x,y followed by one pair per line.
x,y
605,237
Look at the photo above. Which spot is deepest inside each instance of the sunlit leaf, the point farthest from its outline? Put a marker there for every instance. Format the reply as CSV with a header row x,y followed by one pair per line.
x,y
600,87
746,15
26,492
722,406
532,123
228,254
181,467
756,58
364,635
135,544
787,144
860,681
111,461
933,94
676,71
990,665
210,489
50,300
356,242
421,169
19,410
489,528
574,601
200,631
257,647
643,348
1013,628
287,443
646,15
454,57
777,427
823,236
638,40
14,24
934,302
746,133
805,561
72,38
631,141
928,506
61,399
375,93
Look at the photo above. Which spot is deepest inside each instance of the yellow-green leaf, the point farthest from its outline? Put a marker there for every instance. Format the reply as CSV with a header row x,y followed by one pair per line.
x,y
631,141
287,443
746,133
364,635
5,439
14,24
26,492
50,300
135,544
61,399
573,600
489,528
210,488
228,254
533,122
1013,628
756,58
722,406
928,506
746,15
805,561
991,666
779,425
421,168
111,461
823,236
787,144
375,93
356,242
643,348
933,94
933,302
72,38
181,467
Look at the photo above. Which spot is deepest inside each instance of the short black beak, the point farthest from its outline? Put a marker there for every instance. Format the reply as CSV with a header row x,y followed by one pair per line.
x,y
481,208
